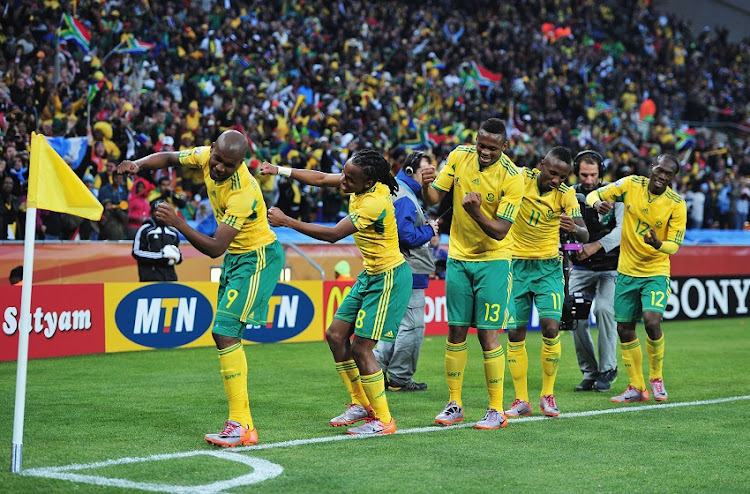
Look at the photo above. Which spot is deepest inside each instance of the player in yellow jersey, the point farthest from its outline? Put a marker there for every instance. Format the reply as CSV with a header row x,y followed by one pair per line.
x,y
487,190
375,306
548,207
653,229
251,265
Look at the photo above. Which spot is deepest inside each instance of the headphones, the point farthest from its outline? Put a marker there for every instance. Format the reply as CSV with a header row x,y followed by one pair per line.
x,y
412,162
597,157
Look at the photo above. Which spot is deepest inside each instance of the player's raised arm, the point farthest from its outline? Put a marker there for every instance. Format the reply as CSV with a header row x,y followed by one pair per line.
x,y
309,177
154,161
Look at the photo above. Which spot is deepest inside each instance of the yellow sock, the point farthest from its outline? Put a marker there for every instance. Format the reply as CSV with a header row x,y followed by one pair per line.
x,y
234,374
518,363
632,357
374,386
655,350
551,351
455,363
349,375
494,374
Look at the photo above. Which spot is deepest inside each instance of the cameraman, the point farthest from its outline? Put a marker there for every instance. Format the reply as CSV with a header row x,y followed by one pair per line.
x,y
594,273
157,249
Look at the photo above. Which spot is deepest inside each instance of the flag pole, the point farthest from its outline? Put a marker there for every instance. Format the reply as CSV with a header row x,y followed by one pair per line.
x,y
111,52
23,340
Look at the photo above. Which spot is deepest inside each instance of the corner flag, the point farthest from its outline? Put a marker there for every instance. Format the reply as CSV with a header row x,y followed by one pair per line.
x,y
54,186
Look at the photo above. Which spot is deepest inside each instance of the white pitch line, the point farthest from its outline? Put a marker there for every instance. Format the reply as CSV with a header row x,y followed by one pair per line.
x,y
265,470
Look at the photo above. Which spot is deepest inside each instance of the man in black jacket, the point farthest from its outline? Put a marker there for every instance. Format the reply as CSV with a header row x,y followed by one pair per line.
x,y
157,249
594,273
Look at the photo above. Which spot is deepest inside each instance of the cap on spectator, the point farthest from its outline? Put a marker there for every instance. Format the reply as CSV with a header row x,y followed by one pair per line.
x,y
88,178
323,139
168,141
342,267
187,135
128,106
193,105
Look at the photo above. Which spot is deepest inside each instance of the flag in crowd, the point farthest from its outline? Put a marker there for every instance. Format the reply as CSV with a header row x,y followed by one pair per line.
x,y
71,29
483,76
71,149
53,185
94,90
132,45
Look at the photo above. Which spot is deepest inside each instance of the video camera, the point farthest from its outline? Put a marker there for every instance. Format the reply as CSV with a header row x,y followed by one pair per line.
x,y
576,305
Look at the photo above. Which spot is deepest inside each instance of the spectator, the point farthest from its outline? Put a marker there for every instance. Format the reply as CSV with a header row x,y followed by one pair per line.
x,y
114,198
9,204
342,271
16,276
156,247
743,208
138,206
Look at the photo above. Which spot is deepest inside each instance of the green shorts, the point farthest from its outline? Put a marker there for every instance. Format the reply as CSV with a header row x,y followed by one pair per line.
x,y
634,296
539,281
377,303
478,294
246,285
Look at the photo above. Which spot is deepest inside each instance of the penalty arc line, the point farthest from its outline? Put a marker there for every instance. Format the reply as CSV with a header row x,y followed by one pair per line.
x,y
266,470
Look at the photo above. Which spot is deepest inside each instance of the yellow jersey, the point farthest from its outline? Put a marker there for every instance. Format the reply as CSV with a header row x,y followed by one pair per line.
x,y
501,187
665,213
236,201
376,237
536,233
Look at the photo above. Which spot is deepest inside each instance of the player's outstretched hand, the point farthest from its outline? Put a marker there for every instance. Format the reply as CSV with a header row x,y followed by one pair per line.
x,y
472,203
604,207
127,166
428,175
166,214
267,168
650,239
276,217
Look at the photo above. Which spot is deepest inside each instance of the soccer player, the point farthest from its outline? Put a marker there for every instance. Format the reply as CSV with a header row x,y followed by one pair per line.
x,y
548,207
251,266
376,304
653,229
487,190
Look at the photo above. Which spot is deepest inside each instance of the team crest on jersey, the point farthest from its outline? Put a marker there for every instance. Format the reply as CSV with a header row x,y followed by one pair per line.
x,y
659,224
550,214
455,181
490,197
645,210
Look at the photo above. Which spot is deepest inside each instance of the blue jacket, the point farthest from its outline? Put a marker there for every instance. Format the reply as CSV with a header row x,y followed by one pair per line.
x,y
410,236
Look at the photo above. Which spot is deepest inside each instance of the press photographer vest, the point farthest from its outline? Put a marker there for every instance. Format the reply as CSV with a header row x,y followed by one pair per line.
x,y
601,261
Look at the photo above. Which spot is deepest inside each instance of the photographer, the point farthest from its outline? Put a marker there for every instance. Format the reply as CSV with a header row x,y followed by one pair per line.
x,y
157,249
594,273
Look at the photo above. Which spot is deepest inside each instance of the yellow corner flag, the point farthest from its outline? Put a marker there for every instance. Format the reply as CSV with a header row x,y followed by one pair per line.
x,y
54,186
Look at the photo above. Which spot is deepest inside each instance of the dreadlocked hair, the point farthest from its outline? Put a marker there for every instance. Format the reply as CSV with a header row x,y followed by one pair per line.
x,y
376,168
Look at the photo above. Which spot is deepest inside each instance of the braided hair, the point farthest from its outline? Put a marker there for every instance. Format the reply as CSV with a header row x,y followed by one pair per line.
x,y
376,168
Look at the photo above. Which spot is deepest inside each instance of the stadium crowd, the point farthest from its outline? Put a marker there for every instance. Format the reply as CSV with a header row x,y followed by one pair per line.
x,y
310,83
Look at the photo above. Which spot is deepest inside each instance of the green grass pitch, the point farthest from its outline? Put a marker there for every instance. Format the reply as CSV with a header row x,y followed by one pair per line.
x,y
83,410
